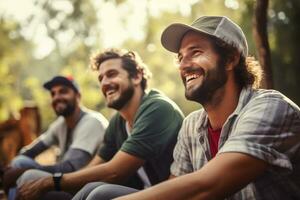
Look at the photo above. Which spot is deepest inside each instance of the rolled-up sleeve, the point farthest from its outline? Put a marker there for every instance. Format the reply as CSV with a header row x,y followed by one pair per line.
x,y
268,129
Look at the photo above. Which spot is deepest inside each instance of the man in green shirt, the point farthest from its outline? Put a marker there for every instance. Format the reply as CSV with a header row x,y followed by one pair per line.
x,y
138,143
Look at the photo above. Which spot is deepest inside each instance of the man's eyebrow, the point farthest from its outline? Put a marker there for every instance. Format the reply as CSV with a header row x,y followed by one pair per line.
x,y
192,47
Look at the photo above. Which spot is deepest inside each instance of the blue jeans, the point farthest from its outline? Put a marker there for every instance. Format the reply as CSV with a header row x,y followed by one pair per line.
x,y
34,174
21,161
103,191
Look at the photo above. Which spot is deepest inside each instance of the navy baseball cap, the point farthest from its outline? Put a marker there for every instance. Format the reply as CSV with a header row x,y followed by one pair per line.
x,y
62,80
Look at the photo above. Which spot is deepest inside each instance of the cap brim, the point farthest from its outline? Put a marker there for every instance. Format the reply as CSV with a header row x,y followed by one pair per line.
x,y
173,34
58,81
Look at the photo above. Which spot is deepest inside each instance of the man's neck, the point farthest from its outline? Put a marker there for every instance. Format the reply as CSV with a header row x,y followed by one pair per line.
x,y
72,120
129,110
223,104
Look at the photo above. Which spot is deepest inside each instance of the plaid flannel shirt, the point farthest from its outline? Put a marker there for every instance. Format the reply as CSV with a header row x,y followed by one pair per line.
x,y
266,125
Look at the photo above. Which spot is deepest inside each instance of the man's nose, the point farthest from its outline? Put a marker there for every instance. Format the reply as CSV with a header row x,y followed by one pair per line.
x,y
184,63
104,81
56,96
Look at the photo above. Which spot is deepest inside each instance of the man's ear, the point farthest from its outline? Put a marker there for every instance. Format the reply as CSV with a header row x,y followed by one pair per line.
x,y
78,96
234,60
137,79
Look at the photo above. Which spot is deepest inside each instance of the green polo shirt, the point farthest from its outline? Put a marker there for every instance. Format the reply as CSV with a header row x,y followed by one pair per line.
x,y
153,137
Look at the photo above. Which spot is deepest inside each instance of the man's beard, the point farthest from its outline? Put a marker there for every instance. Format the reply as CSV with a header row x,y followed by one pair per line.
x,y
213,80
68,110
124,97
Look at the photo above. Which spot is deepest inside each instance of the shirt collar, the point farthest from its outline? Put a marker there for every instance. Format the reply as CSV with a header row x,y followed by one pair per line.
x,y
244,97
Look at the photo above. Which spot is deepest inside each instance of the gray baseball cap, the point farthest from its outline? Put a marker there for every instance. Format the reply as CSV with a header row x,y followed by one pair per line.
x,y
218,26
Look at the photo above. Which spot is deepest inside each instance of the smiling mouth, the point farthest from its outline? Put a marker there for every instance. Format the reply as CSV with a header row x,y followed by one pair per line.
x,y
190,77
110,92
58,103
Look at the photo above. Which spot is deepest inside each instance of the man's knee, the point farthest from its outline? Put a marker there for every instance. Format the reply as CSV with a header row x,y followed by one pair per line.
x,y
86,190
22,161
109,191
30,175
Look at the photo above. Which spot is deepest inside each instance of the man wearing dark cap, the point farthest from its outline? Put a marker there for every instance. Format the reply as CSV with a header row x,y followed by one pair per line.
x,y
245,142
78,132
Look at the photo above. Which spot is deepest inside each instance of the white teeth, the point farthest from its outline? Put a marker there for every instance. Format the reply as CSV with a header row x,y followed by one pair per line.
x,y
191,76
109,92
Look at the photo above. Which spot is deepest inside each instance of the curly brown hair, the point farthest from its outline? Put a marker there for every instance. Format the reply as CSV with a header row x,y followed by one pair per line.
x,y
248,71
131,62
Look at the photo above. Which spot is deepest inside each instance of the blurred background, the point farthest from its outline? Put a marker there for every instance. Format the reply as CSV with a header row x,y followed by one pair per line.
x,y
43,38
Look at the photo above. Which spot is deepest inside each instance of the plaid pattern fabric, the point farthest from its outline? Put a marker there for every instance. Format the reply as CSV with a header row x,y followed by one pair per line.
x,y
266,125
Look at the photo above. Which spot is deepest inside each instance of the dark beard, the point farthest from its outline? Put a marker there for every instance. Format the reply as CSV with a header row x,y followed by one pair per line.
x,y
213,80
125,96
69,110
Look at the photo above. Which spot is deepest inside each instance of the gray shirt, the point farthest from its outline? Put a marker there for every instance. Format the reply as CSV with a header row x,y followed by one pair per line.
x,y
265,125
77,148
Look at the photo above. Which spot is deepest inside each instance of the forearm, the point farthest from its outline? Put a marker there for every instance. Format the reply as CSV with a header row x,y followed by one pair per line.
x,y
188,187
74,160
97,160
64,167
76,180
33,150
219,178
117,170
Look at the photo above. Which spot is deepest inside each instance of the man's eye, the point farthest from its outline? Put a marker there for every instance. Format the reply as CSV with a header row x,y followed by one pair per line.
x,y
112,74
196,53
178,59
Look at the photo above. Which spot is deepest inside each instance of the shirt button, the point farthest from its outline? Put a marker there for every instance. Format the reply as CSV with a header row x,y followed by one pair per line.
x,y
201,139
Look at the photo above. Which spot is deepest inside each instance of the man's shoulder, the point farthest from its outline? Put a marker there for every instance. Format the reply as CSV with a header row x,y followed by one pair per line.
x,y
272,98
157,98
116,120
91,115
58,122
153,95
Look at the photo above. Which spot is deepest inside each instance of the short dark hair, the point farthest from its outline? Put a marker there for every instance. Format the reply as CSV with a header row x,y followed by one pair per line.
x,y
131,62
247,72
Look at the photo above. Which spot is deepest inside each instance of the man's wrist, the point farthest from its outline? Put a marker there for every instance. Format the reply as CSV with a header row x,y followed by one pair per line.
x,y
57,180
47,184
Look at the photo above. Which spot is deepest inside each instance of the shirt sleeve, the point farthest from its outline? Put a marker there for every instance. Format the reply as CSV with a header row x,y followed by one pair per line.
x,y
35,149
74,160
88,135
112,134
45,140
155,129
50,137
182,163
269,129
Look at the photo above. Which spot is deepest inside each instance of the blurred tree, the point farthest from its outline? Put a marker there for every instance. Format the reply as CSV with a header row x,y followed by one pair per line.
x,y
284,31
13,57
260,34
60,35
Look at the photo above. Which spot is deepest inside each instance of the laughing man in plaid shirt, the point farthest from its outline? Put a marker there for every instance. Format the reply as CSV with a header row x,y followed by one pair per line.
x,y
245,142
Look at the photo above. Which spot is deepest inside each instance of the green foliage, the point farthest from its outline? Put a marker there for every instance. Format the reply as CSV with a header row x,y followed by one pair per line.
x,y
76,29
13,57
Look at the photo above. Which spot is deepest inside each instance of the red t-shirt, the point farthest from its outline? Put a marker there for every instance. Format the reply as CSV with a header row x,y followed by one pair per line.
x,y
213,138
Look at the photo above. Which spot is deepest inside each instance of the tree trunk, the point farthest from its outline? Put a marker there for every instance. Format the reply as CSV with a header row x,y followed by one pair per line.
x,y
261,41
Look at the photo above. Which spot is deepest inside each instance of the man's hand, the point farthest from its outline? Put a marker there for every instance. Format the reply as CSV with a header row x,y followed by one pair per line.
x,y
33,190
10,177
